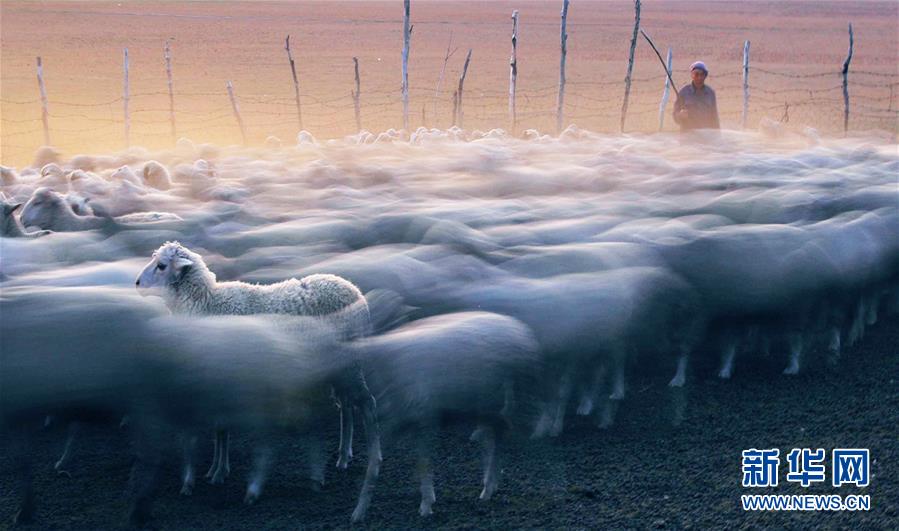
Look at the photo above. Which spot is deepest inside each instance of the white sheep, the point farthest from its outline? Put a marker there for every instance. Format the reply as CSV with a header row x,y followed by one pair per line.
x,y
157,176
10,226
189,287
50,210
474,365
8,176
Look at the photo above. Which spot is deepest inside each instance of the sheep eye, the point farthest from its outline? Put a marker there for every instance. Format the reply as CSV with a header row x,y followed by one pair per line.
x,y
160,267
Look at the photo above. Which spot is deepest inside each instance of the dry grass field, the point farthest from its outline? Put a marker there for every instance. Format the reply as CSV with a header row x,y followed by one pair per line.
x,y
81,45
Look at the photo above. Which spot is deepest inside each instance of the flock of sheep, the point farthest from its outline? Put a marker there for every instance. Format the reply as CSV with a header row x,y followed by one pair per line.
x,y
410,279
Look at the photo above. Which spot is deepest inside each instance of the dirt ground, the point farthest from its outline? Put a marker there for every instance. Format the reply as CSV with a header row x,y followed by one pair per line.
x,y
81,44
643,473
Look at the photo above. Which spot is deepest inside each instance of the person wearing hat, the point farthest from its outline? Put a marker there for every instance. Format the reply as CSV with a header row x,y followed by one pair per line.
x,y
696,106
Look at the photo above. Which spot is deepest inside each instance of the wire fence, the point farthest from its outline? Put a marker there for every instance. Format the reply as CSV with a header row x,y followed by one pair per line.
x,y
812,99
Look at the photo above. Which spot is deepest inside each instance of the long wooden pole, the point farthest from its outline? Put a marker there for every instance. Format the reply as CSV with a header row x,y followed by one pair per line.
x,y
513,72
296,82
666,93
407,34
846,82
563,43
461,83
126,97
168,74
446,58
745,116
45,113
356,108
236,108
630,63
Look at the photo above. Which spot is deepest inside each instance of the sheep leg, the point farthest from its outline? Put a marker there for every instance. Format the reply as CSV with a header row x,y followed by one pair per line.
x,y
618,356
65,459
857,329
834,345
315,452
223,470
588,398
680,376
508,399
188,474
216,455
424,449
871,313
562,399
795,339
373,439
491,435
345,450
262,463
145,471
728,353
21,446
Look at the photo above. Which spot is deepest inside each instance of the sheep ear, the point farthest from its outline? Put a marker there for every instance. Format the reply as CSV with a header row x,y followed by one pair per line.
x,y
13,207
182,263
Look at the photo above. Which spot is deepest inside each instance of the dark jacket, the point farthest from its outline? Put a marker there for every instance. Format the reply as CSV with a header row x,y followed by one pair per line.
x,y
702,108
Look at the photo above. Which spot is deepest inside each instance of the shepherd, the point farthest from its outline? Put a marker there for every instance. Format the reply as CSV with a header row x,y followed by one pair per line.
x,y
696,106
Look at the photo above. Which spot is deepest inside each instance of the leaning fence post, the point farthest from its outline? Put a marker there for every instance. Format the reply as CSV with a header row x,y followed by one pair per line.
x,y
513,71
296,83
236,109
356,109
45,114
745,84
665,93
125,98
630,63
846,83
461,83
563,43
407,34
168,73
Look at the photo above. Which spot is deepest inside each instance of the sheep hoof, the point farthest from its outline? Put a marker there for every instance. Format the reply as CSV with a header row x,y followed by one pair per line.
x,y
488,492
187,489
425,510
542,427
725,374
316,485
358,514
677,381
343,462
585,407
63,472
476,435
217,479
791,370
617,395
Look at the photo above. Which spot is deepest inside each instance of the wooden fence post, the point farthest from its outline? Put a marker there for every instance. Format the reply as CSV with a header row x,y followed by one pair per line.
x,y
236,109
513,72
630,64
665,93
407,34
846,82
45,113
356,95
126,97
745,85
461,83
296,82
446,59
563,43
168,74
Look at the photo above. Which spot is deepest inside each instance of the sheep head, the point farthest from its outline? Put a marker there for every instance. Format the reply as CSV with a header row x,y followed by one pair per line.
x,y
170,265
43,208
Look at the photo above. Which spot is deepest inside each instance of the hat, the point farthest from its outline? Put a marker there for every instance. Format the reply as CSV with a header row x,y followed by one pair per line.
x,y
699,65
